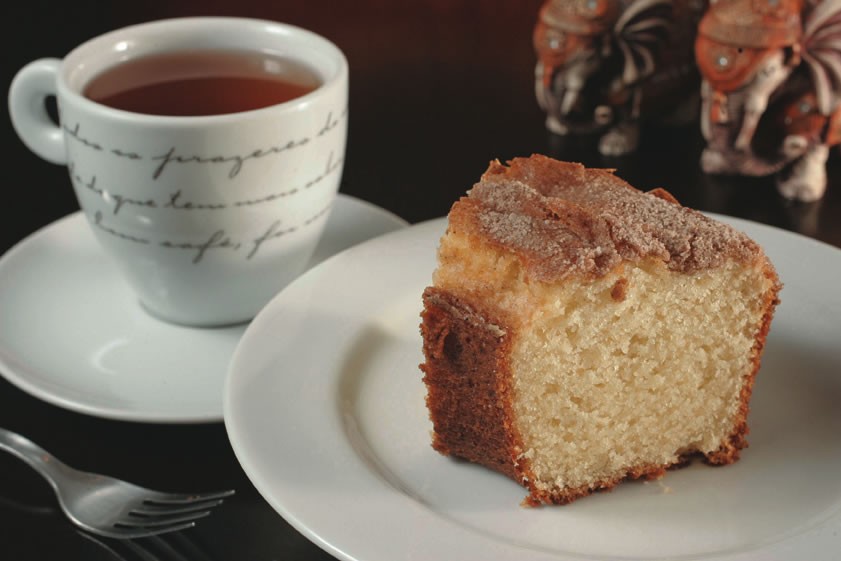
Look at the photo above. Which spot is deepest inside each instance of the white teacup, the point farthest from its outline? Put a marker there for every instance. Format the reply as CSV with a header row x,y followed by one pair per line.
x,y
207,216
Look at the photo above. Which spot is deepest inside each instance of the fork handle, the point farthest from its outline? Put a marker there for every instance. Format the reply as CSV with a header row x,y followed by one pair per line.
x,y
39,459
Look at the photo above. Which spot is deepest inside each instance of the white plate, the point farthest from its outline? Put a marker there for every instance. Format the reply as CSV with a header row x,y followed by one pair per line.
x,y
72,333
324,406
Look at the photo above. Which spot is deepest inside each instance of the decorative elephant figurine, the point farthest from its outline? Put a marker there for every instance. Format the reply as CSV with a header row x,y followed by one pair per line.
x,y
771,74
604,64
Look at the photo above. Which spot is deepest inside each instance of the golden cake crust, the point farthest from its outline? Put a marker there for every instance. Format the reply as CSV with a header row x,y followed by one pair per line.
x,y
563,219
468,381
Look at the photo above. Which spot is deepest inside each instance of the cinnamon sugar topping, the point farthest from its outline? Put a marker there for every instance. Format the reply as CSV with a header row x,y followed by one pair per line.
x,y
563,218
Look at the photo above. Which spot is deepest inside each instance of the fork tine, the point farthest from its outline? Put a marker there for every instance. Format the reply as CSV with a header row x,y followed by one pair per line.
x,y
122,533
133,521
182,498
147,509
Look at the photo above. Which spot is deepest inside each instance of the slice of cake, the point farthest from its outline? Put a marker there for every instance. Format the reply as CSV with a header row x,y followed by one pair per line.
x,y
580,332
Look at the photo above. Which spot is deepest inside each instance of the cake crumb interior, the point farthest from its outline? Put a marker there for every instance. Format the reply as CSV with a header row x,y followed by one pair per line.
x,y
608,380
602,385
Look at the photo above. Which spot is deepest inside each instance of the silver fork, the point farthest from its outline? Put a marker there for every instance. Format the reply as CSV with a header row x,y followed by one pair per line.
x,y
107,506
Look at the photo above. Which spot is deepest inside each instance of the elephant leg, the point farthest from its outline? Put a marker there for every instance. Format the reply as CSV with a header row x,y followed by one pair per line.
x,y
714,162
621,139
807,180
555,126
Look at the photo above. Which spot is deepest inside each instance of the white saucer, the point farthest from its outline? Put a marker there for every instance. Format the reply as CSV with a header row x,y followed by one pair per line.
x,y
73,334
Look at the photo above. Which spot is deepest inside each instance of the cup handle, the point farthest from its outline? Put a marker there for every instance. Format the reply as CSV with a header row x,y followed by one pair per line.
x,y
29,90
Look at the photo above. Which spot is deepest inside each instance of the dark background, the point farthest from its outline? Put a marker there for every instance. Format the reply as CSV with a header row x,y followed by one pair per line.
x,y
438,89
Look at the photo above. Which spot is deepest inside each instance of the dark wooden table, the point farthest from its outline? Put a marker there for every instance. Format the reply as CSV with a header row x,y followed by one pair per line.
x,y
438,89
